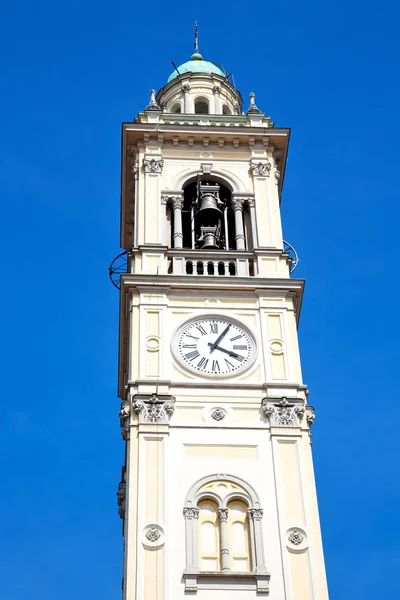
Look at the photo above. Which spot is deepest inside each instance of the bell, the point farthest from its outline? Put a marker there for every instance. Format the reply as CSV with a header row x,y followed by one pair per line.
x,y
210,237
209,213
209,242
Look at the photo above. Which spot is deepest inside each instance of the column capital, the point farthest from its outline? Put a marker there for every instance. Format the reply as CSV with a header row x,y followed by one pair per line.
x,y
237,203
216,89
260,169
191,512
153,165
153,408
283,413
255,513
185,89
177,202
223,514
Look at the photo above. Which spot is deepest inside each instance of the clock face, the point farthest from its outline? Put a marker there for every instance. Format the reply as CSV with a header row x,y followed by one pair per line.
x,y
214,346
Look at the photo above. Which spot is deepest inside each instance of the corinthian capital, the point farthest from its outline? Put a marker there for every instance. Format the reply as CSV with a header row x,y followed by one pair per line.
x,y
154,409
177,202
260,169
237,203
153,165
283,413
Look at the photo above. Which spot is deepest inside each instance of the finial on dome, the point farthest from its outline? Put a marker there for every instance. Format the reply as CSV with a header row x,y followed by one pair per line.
x,y
253,108
153,104
196,55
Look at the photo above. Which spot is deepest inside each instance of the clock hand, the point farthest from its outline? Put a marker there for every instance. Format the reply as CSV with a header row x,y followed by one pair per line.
x,y
217,341
233,354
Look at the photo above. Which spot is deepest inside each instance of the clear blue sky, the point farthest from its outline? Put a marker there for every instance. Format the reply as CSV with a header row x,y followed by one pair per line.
x,y
71,73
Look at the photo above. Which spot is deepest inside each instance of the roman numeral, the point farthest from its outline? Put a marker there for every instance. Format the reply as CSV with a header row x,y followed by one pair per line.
x,y
236,337
191,336
201,329
229,364
239,357
215,366
189,346
214,327
192,355
202,364
239,347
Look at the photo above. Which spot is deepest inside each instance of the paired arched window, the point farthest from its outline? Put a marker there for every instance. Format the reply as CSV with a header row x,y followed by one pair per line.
x,y
223,521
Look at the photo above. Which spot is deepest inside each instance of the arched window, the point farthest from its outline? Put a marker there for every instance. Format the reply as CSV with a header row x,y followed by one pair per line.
x,y
201,106
176,108
223,534
226,110
239,541
209,538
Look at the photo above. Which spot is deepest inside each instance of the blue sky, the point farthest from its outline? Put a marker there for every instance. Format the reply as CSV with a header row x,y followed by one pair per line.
x,y
71,73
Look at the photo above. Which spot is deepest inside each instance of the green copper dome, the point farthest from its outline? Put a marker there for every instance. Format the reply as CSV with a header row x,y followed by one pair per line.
x,y
196,64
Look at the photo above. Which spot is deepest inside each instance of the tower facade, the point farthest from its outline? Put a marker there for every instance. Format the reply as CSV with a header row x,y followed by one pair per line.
x,y
217,495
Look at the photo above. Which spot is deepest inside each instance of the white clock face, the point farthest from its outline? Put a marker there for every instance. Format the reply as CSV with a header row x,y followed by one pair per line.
x,y
215,346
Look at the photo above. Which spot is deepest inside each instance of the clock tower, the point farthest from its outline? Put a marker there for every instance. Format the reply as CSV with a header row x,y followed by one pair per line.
x,y
217,496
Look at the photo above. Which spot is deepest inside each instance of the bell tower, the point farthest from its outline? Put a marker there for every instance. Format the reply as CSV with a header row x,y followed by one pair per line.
x,y
217,496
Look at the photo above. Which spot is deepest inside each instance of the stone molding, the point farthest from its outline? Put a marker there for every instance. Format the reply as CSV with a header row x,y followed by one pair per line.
x,y
153,408
153,165
283,413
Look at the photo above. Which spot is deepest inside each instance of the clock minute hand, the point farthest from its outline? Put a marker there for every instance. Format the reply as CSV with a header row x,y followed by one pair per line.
x,y
233,354
217,341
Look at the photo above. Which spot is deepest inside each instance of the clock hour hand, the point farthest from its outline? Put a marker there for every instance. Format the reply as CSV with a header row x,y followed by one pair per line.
x,y
217,341
233,354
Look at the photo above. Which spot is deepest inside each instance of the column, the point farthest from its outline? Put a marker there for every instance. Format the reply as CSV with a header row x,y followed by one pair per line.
x,y
217,106
252,210
237,205
177,205
186,99
223,518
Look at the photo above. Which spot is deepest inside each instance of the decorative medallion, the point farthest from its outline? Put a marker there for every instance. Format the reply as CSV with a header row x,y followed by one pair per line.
x,y
295,537
153,534
218,414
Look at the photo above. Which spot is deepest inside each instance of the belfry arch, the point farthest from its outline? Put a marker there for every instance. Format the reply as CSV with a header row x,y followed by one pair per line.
x,y
207,214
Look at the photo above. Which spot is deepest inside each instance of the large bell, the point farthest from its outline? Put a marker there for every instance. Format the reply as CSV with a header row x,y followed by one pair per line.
x,y
209,214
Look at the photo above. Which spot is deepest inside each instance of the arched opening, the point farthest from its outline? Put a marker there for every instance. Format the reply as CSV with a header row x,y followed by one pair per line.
x,y
209,536
226,110
239,539
190,225
176,108
201,106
